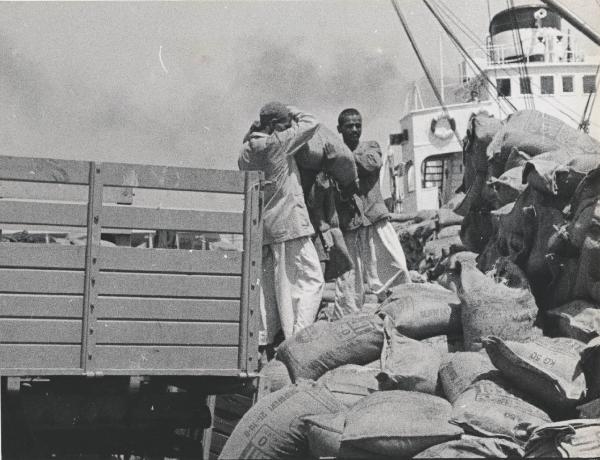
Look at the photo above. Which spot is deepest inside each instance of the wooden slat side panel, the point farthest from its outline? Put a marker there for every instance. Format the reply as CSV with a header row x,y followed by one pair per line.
x,y
42,213
44,170
167,309
156,357
165,333
129,217
19,356
41,281
171,219
61,192
42,256
159,285
172,178
45,306
170,260
62,331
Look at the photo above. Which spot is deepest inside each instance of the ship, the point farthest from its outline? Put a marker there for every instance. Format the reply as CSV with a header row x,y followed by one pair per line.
x,y
529,60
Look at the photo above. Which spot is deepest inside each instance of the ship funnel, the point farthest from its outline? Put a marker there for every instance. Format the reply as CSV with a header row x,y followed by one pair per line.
x,y
537,29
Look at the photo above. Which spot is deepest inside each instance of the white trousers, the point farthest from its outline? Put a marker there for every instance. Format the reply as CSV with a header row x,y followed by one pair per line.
x,y
378,260
292,287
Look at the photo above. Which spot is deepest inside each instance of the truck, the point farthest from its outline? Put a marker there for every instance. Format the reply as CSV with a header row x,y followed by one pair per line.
x,y
114,350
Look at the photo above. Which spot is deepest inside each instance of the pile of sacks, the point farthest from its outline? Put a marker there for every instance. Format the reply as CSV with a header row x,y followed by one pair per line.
x,y
456,371
428,236
491,357
533,195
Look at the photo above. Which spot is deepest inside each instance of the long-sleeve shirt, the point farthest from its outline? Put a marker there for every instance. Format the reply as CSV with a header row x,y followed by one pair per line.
x,y
368,206
285,216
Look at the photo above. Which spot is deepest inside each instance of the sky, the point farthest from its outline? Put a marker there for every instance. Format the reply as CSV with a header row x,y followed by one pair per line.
x,y
179,83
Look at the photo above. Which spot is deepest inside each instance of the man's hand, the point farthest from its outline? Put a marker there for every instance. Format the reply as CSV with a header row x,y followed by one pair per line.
x,y
326,240
255,126
329,150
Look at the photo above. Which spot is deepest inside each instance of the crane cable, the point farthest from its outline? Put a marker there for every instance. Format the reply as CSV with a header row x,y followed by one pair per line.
x,y
462,49
559,106
423,64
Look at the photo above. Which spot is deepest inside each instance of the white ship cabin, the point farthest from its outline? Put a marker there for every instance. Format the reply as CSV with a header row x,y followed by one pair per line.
x,y
532,62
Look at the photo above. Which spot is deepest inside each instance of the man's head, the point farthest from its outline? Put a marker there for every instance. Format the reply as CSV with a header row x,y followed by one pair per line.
x,y
350,127
275,116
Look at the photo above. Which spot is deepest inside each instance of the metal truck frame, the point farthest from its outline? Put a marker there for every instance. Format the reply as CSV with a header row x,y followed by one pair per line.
x,y
176,318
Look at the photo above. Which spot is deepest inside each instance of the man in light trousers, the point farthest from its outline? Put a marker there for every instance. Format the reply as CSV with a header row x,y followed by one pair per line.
x,y
374,246
292,283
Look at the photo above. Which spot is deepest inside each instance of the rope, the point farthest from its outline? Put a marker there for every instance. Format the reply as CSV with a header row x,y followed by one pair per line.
x,y
423,64
462,49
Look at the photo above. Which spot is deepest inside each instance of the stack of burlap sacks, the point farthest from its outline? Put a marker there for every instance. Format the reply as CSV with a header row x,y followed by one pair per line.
x,y
428,236
493,359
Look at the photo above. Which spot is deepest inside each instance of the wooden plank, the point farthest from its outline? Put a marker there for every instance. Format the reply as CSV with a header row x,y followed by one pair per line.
x,y
109,357
48,306
23,356
61,192
165,308
44,170
117,217
41,281
31,330
42,256
42,213
171,219
218,442
165,333
224,425
159,285
207,432
172,178
169,260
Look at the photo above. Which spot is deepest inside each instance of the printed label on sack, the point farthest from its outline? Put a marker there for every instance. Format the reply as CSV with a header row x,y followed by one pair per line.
x,y
263,438
352,329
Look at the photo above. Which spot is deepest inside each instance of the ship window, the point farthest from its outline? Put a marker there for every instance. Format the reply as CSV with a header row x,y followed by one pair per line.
x,y
589,84
547,84
503,86
525,84
567,82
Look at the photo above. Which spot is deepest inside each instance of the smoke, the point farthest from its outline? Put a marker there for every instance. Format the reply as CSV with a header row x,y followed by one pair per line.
x,y
194,115
353,76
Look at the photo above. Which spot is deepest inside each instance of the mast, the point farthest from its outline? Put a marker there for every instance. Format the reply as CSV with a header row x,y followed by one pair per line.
x,y
419,56
574,20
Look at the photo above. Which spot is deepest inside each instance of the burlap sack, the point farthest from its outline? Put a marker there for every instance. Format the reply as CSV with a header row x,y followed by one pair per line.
x,y
325,438
350,383
547,369
339,164
445,343
422,310
516,158
506,188
322,346
501,306
272,428
535,132
578,320
277,375
565,439
398,423
474,447
590,362
407,364
491,407
459,370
